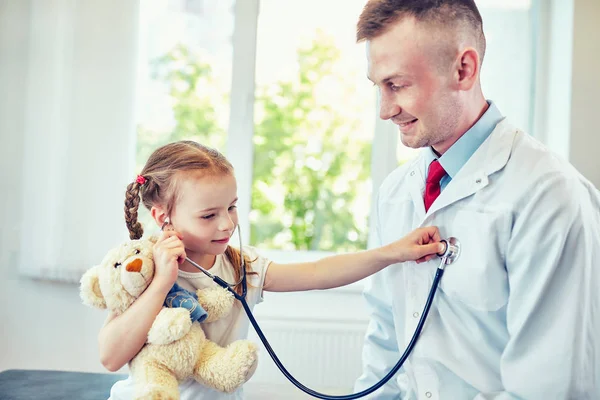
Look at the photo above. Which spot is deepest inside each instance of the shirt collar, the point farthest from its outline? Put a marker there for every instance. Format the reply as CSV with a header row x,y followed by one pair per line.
x,y
460,152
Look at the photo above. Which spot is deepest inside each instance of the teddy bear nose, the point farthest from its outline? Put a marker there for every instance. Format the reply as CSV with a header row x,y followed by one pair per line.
x,y
134,266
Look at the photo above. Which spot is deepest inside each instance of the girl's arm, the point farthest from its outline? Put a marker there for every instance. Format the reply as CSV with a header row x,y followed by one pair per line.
x,y
421,245
122,336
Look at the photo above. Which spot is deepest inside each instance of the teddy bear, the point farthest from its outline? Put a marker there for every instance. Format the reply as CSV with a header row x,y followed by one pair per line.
x,y
176,348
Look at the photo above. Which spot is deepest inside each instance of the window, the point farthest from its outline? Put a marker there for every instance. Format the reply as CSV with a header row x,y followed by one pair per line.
x,y
507,73
300,122
313,128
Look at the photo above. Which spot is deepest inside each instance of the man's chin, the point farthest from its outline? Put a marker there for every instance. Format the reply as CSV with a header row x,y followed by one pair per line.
x,y
412,141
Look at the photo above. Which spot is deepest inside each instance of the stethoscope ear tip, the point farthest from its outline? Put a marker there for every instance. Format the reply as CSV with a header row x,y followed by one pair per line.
x,y
165,224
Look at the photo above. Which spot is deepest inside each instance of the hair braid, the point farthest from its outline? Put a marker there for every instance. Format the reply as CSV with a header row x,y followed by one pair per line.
x,y
132,202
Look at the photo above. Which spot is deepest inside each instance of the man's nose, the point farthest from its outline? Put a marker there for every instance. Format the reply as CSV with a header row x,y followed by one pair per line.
x,y
388,107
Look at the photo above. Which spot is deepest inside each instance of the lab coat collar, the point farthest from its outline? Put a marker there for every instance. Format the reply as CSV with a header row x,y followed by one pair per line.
x,y
489,158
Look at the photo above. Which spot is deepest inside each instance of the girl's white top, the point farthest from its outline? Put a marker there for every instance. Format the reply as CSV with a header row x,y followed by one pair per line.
x,y
224,331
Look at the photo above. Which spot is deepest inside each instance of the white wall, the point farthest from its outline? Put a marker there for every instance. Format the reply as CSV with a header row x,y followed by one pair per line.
x,y
43,323
585,90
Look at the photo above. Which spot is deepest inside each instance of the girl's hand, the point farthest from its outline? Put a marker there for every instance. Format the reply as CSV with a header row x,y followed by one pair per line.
x,y
168,253
420,245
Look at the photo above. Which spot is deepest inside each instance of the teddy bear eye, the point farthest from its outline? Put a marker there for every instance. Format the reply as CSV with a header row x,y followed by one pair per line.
x,y
137,251
117,264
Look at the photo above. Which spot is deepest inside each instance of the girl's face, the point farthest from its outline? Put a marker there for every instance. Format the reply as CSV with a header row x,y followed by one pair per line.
x,y
205,212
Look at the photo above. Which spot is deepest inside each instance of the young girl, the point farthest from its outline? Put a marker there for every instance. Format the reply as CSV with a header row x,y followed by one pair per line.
x,y
193,188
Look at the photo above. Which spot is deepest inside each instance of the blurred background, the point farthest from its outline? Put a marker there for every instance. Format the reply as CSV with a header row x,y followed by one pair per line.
x,y
89,88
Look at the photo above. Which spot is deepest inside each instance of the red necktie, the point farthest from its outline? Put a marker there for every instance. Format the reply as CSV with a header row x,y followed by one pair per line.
x,y
432,185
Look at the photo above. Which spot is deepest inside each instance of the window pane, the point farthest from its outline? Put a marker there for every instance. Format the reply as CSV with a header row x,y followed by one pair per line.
x,y
508,69
184,74
313,126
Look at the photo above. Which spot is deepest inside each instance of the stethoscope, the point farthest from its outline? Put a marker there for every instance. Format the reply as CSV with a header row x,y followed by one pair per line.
x,y
450,254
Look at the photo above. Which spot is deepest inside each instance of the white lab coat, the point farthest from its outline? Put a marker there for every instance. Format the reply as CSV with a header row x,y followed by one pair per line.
x,y
518,314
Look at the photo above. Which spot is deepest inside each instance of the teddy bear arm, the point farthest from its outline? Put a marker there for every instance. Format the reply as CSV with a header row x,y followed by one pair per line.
x,y
216,301
170,324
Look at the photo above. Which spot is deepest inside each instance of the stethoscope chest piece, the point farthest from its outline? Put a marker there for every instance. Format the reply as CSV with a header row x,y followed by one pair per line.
x,y
452,251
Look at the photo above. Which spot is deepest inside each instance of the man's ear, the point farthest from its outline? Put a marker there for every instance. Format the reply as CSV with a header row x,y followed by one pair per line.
x,y
468,68
89,291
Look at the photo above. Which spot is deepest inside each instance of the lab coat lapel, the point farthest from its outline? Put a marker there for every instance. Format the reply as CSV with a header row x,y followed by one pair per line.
x,y
491,157
416,186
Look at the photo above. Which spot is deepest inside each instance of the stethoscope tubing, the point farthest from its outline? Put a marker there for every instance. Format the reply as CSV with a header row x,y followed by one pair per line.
x,y
314,393
242,299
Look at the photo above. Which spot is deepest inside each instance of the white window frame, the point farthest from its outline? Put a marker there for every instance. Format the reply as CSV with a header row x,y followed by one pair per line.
x,y
240,145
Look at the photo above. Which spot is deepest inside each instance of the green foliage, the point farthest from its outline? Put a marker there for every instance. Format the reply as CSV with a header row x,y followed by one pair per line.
x,y
305,148
187,79
309,163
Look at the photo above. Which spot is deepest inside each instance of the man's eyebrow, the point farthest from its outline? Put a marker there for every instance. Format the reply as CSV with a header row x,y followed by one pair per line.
x,y
388,78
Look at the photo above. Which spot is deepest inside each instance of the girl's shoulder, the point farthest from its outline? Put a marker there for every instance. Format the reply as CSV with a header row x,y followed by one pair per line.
x,y
252,252
258,262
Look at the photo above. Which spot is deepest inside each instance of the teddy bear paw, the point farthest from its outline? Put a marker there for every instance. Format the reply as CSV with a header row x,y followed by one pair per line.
x,y
216,301
226,369
246,360
170,324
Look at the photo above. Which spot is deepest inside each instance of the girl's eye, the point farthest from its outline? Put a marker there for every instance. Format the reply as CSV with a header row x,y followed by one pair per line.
x,y
232,208
208,216
137,251
117,264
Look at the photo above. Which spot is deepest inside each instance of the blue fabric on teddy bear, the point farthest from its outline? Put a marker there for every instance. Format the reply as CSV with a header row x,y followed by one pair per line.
x,y
180,297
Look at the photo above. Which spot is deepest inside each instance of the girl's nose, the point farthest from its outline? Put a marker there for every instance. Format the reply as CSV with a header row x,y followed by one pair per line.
x,y
227,224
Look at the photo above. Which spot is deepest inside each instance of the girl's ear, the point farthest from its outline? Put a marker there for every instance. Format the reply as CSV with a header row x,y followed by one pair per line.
x,y
89,291
158,215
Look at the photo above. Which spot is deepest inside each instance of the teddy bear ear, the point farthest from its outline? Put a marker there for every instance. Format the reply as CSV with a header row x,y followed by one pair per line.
x,y
89,291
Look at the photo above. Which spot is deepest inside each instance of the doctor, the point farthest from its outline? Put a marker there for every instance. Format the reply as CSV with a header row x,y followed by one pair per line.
x,y
517,316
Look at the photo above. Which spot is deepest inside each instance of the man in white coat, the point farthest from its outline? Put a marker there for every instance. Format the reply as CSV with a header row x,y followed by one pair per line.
x,y
517,316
